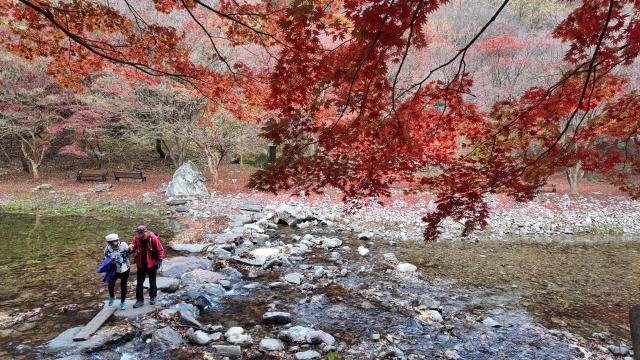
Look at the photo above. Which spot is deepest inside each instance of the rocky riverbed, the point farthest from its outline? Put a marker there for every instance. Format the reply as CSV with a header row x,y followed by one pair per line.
x,y
305,282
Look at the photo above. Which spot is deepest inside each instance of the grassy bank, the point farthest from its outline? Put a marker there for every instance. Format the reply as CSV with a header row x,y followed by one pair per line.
x,y
28,204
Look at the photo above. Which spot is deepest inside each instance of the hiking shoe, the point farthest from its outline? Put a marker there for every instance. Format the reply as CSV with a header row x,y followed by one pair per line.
x,y
138,304
111,301
122,305
152,301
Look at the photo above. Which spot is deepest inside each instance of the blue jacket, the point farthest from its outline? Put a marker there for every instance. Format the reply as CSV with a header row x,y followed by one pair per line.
x,y
109,268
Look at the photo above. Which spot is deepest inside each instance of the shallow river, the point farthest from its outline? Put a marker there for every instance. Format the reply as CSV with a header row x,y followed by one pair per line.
x,y
49,263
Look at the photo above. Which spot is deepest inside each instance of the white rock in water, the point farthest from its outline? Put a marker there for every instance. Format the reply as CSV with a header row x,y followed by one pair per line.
x,y
490,322
271,345
363,251
187,181
406,267
307,355
294,278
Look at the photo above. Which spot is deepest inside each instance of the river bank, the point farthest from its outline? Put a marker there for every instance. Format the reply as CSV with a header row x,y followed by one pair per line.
x,y
555,304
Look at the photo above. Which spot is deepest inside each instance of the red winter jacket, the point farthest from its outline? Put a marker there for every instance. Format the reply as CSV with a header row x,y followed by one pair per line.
x,y
135,244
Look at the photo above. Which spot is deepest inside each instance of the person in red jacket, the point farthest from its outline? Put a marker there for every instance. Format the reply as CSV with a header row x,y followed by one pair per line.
x,y
149,254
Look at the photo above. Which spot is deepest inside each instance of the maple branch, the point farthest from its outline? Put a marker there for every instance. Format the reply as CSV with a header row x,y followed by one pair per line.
x,y
462,52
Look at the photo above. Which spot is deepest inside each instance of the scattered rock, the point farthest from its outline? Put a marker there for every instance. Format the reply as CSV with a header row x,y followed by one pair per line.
x,y
271,345
147,198
197,337
43,187
166,284
366,235
192,248
166,337
294,278
201,276
307,355
451,354
490,322
406,267
318,337
276,317
230,351
176,202
102,188
176,266
295,334
292,215
363,251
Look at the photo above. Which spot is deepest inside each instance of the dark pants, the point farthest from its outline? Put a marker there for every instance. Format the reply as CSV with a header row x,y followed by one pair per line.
x,y
153,290
123,285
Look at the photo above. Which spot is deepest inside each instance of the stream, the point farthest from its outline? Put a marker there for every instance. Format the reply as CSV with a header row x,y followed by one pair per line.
x,y
49,262
580,284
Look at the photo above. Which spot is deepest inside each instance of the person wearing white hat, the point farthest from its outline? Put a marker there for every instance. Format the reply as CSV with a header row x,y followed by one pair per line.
x,y
118,252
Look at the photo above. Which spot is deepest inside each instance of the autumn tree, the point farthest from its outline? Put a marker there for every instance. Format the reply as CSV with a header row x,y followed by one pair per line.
x,y
334,80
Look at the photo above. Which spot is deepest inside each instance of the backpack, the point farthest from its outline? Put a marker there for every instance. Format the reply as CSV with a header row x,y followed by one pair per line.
x,y
154,252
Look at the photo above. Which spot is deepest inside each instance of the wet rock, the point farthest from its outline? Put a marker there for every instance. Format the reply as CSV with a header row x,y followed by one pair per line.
x,y
318,337
295,334
490,322
166,337
166,284
291,215
192,248
197,337
187,181
176,266
430,316
201,276
257,257
187,317
363,251
276,317
307,355
294,278
271,345
451,354
230,351
102,188
330,243
406,267
103,337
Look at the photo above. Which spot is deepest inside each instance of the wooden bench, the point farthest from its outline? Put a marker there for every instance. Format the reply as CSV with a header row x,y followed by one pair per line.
x,y
94,175
137,175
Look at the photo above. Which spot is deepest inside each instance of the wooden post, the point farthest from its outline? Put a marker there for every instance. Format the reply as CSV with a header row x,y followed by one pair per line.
x,y
634,321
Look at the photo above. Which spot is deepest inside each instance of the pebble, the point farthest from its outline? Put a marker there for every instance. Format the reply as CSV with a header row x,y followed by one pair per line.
x,y
406,267
307,355
363,251
268,344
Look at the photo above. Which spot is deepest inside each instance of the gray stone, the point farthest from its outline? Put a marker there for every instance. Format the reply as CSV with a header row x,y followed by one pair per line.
x,y
406,267
43,187
230,351
295,334
187,181
236,330
432,316
365,235
192,248
131,313
363,251
291,215
201,276
271,345
176,202
251,207
166,337
103,337
147,198
294,278
240,339
177,266
197,337
187,317
102,188
451,354
181,209
390,257
318,337
276,317
258,257
490,322
307,355
213,289
329,243
166,284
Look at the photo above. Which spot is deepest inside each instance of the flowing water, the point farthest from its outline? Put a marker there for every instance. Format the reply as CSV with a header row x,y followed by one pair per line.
x,y
49,262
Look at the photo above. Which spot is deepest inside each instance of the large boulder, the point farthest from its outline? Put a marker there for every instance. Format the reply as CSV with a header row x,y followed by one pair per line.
x,y
291,214
200,276
166,337
102,338
187,182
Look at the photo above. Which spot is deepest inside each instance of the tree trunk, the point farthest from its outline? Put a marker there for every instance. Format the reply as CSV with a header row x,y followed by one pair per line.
x,y
574,175
34,169
211,164
25,164
159,149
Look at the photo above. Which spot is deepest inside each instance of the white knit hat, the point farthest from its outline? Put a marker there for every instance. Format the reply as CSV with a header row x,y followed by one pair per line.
x,y
112,237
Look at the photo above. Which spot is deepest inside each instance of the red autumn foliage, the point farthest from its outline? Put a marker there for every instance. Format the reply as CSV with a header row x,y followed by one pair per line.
x,y
340,109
